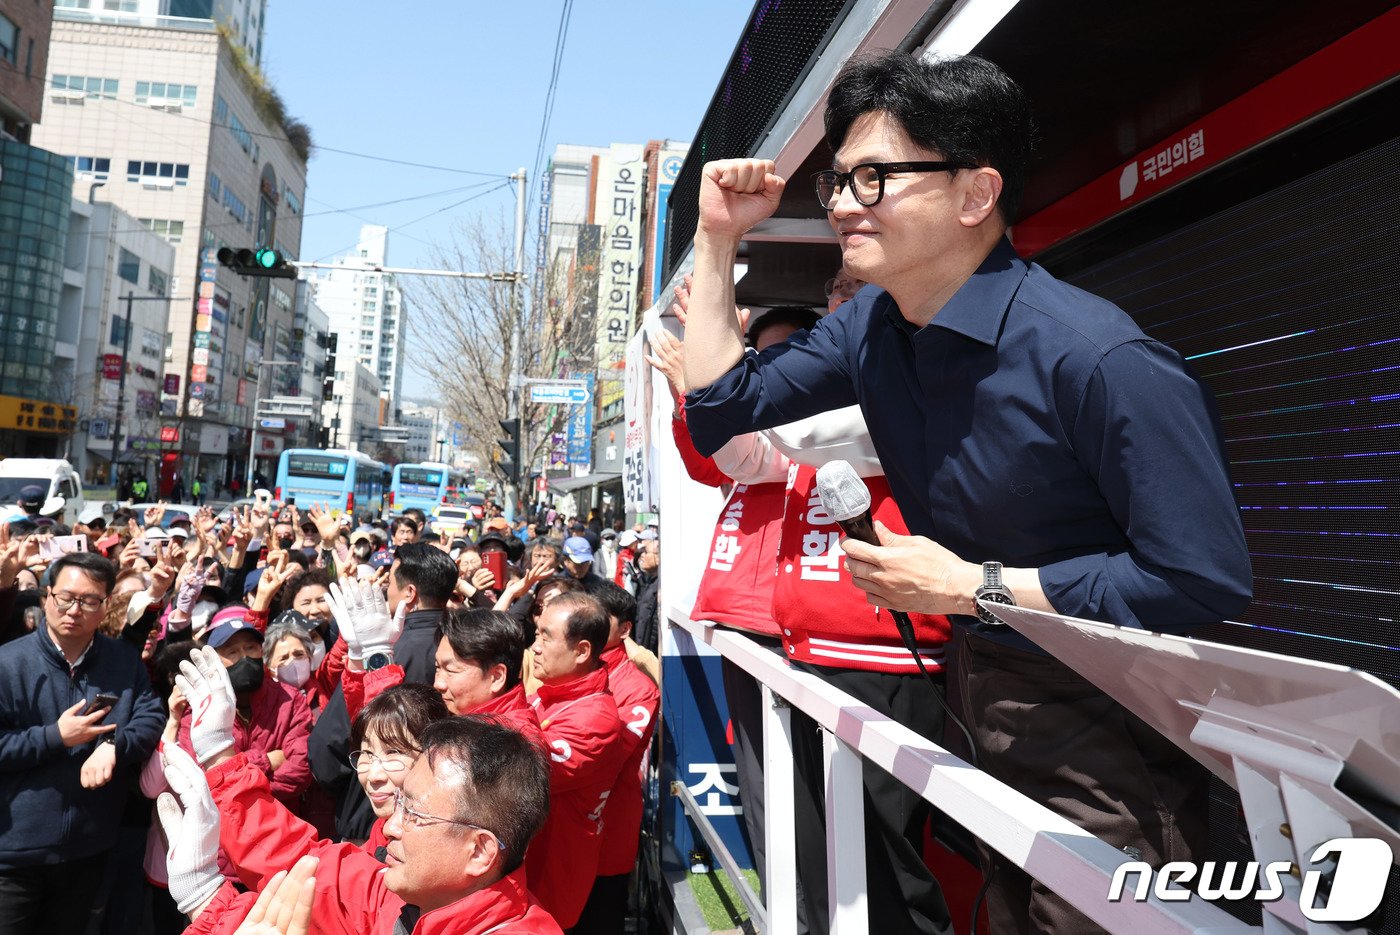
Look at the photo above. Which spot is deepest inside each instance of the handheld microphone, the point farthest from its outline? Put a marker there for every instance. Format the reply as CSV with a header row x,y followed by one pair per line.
x,y
845,496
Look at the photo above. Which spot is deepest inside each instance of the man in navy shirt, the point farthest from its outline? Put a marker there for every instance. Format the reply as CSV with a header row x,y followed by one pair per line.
x,y
1028,430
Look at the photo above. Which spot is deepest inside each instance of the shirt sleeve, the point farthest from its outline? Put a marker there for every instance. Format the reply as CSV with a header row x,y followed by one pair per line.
x,y
807,374
293,777
1146,431
701,469
138,736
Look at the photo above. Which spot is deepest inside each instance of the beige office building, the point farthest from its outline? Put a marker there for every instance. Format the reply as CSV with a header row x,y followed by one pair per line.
x,y
160,116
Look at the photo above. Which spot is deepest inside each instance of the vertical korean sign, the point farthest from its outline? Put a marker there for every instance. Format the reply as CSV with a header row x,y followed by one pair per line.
x,y
621,187
670,162
580,430
203,324
638,487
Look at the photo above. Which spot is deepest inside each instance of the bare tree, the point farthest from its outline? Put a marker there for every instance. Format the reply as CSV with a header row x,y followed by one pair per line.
x,y
463,328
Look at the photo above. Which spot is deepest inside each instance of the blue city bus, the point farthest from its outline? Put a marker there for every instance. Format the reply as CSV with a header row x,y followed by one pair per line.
x,y
350,482
423,485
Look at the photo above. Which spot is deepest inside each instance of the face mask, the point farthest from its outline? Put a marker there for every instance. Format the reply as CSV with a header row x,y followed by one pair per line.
x,y
286,542
246,675
295,672
318,654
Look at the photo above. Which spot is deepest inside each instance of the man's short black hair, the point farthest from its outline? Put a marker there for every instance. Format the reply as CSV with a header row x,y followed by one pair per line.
x,y
963,108
403,521
617,601
420,519
800,317
484,638
587,620
544,545
99,569
504,779
429,569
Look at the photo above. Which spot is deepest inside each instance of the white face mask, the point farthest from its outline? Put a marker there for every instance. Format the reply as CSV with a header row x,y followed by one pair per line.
x,y
318,655
294,672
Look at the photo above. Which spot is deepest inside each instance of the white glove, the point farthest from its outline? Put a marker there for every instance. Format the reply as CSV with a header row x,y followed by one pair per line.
x,y
362,612
205,685
193,834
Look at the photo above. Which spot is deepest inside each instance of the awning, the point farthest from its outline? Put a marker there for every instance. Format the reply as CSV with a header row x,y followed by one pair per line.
x,y
567,484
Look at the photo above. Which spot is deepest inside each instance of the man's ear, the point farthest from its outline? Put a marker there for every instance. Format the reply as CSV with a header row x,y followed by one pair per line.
x,y
981,192
497,676
583,651
624,629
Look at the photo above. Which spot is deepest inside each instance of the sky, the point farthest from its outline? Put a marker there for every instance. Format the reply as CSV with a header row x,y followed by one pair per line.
x,y
461,84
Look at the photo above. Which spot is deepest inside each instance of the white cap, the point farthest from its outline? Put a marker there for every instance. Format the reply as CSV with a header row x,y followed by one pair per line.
x,y
628,537
52,506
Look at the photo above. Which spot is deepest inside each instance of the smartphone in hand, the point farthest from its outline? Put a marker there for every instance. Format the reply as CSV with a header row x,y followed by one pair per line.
x,y
495,562
102,700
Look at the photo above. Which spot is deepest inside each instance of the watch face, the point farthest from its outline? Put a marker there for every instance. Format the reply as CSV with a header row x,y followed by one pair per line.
x,y
377,661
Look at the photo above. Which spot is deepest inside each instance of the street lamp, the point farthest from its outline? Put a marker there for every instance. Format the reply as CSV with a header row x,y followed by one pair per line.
x,y
257,401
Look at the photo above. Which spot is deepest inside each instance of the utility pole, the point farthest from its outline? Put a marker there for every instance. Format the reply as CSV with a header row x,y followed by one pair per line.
x,y
121,390
517,343
257,402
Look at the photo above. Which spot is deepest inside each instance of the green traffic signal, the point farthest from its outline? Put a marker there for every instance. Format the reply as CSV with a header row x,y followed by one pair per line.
x,y
268,259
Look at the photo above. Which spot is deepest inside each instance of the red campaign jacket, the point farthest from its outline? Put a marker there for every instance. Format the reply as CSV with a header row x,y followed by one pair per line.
x,y
701,469
825,619
279,718
262,837
582,733
514,710
737,586
637,698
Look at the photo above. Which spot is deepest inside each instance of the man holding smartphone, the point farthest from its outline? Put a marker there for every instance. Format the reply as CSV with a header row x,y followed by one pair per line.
x,y
78,719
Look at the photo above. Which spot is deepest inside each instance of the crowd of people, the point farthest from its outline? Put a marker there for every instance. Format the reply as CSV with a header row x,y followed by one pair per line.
x,y
281,719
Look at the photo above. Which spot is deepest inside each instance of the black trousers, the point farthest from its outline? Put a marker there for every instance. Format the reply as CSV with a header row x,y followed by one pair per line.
x,y
901,892
1048,733
53,899
605,913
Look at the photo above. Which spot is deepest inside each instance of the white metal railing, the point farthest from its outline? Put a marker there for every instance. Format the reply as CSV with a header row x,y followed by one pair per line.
x,y
1072,862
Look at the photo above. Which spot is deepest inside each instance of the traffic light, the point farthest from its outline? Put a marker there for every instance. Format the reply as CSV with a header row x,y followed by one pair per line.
x,y
328,387
510,463
264,262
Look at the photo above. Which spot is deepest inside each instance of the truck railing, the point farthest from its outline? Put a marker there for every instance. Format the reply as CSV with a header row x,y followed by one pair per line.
x,y
1074,863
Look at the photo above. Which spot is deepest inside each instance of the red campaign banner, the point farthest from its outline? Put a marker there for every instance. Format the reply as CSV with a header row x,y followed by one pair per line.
x,y
169,434
1360,60
242,399
172,384
111,366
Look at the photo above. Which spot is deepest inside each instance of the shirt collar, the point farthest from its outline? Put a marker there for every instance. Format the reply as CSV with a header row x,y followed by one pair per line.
x,y
979,307
590,684
72,666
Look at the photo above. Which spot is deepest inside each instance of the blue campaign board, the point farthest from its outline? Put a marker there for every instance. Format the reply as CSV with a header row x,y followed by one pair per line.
x,y
696,751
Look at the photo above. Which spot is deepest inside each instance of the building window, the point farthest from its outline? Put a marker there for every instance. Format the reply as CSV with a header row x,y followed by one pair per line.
x,y
216,188
91,88
158,174
9,38
128,266
172,231
293,203
161,92
119,326
91,167
121,6
157,281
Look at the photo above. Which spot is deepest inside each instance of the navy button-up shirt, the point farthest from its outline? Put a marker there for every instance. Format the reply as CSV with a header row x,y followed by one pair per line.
x,y
1029,423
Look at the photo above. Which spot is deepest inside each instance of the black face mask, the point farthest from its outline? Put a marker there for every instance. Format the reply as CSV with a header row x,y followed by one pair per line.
x,y
286,542
246,675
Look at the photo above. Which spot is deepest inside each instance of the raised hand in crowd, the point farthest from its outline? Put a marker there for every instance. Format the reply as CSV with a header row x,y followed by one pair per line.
x,y
204,684
668,358
153,514
361,612
15,555
480,580
284,905
326,524
193,581
168,561
191,825
277,572
543,569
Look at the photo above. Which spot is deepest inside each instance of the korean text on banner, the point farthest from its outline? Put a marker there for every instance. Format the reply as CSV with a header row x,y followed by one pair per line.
x,y
621,188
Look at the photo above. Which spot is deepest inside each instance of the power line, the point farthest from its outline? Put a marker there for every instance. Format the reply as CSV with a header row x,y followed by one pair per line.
x,y
561,38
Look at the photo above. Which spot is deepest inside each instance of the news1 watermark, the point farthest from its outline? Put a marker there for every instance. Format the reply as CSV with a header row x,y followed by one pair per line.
x,y
1345,883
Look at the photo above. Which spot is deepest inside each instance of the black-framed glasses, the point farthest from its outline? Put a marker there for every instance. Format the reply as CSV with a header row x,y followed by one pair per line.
x,y
867,180
64,601
421,819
